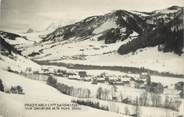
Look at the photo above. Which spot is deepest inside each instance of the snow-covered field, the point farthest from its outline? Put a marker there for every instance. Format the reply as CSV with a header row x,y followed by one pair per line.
x,y
12,105
18,63
92,52
145,111
36,92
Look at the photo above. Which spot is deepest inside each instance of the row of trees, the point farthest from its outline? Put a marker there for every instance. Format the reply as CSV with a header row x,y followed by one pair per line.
x,y
72,91
103,94
69,90
14,89
145,99
107,94
156,100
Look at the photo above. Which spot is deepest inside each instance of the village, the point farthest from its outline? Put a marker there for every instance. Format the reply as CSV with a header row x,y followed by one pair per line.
x,y
140,81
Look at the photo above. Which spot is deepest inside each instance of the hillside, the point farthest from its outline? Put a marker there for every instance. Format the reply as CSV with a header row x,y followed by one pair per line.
x,y
6,48
115,22
123,63
11,57
118,38
149,29
169,37
37,92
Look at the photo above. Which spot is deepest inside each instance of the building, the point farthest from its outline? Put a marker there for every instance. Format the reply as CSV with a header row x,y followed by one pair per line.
x,y
136,83
82,74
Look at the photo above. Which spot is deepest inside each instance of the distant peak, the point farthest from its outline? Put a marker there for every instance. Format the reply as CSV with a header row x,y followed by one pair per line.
x,y
30,30
174,7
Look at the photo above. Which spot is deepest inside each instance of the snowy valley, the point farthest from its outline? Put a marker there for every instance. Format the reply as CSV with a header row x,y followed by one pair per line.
x,y
123,63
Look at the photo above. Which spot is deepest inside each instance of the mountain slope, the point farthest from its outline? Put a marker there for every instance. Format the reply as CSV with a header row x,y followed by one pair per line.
x,y
6,48
129,42
149,29
11,57
8,35
119,38
122,22
37,92
170,35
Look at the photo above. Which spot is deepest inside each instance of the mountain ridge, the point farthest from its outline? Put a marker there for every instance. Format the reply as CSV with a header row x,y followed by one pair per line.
x,y
119,25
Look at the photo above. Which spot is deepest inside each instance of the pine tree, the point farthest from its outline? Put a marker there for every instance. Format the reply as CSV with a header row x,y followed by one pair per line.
x,y
1,86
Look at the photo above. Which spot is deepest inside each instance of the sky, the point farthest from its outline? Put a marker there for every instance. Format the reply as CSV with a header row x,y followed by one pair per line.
x,y
39,14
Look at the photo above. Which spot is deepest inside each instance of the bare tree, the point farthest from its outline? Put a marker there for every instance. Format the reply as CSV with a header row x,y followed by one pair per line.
x,y
106,94
1,86
143,99
156,99
127,112
99,93
121,97
137,108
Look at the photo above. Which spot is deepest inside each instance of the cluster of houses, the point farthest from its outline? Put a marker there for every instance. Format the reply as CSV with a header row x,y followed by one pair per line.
x,y
143,82
82,75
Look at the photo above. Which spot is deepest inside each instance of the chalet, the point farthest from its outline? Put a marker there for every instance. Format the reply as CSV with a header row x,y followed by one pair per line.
x,y
140,84
144,75
74,77
100,80
126,101
87,79
113,80
82,74
94,81
118,83
44,70
70,73
126,83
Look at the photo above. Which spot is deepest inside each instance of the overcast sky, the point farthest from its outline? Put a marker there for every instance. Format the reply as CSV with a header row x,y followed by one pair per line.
x,y
38,14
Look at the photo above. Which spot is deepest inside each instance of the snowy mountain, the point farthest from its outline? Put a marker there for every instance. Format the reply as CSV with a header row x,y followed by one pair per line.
x,y
117,38
169,37
122,36
9,35
6,48
30,30
127,63
121,25
118,22
10,51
